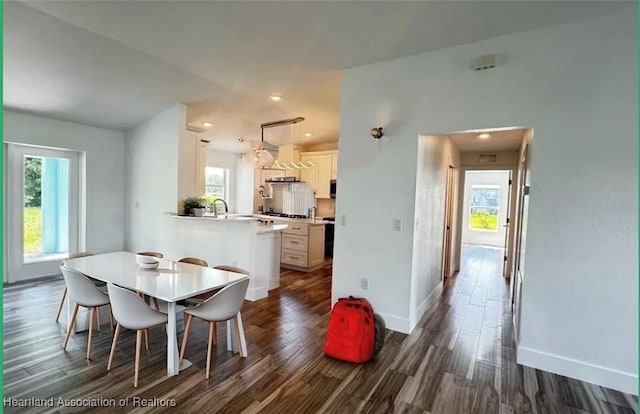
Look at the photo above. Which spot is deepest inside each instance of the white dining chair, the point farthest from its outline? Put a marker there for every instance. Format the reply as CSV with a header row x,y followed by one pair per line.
x,y
64,292
223,306
131,312
83,292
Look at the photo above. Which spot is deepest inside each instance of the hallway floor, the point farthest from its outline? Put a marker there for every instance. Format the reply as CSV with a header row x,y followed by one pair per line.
x,y
460,358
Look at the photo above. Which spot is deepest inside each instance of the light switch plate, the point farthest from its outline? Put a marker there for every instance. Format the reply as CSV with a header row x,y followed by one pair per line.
x,y
396,224
343,219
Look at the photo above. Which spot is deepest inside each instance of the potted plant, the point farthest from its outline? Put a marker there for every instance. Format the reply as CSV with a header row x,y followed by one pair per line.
x,y
195,206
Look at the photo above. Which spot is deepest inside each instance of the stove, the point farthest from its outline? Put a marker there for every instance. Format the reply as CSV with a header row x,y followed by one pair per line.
x,y
274,214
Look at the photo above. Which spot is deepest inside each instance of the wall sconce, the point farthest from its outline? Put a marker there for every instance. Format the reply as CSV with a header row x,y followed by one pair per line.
x,y
377,133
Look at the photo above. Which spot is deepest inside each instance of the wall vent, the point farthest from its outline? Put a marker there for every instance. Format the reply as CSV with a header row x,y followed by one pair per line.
x,y
485,62
195,128
488,158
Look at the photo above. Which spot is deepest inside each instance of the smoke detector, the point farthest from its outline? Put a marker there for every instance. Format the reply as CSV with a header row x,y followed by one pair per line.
x,y
486,62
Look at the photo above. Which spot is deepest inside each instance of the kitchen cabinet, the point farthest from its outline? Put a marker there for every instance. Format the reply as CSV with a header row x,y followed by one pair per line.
x,y
325,169
334,166
302,246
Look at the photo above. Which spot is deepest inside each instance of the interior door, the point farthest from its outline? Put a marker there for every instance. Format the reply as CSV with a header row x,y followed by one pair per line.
x,y
42,221
505,268
521,232
448,224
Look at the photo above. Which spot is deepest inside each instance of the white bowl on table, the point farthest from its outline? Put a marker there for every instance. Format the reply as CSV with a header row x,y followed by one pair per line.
x,y
147,262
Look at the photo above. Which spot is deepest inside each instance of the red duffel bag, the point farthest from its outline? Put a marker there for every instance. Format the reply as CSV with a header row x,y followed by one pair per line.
x,y
351,333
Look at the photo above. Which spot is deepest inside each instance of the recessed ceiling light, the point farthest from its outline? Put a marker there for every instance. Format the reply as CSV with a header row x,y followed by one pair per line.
x,y
276,98
207,124
484,135
308,134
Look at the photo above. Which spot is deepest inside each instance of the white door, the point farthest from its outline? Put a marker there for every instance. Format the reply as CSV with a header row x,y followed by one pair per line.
x,y
42,221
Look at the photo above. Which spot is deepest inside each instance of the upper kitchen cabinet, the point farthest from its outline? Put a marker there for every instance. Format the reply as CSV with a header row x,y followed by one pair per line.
x,y
192,161
325,169
334,166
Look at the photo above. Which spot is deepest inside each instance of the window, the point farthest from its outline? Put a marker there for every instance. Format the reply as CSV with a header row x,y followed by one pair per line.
x,y
217,182
483,208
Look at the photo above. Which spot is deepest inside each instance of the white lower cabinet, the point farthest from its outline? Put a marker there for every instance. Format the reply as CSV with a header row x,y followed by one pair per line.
x,y
302,246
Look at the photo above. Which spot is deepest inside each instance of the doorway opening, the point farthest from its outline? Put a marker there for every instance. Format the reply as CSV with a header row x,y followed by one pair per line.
x,y
485,215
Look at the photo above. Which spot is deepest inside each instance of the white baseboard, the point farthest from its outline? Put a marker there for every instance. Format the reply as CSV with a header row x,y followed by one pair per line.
x,y
256,293
422,308
606,377
274,283
406,325
395,323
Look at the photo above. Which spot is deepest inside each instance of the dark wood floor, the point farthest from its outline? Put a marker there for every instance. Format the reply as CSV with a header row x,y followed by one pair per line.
x,y
460,358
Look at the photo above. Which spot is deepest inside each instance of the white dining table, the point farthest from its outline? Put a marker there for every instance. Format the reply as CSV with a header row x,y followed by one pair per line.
x,y
171,282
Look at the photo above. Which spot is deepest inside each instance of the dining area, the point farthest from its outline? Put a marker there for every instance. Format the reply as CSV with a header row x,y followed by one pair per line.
x,y
147,292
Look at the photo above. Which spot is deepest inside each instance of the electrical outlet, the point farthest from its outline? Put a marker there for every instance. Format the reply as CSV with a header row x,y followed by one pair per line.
x,y
364,283
396,224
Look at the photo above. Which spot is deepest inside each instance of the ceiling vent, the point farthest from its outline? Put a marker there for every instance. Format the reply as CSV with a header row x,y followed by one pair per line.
x,y
488,158
486,62
195,128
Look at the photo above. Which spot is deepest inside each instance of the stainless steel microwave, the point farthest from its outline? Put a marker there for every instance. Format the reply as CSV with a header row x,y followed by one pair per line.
x,y
332,189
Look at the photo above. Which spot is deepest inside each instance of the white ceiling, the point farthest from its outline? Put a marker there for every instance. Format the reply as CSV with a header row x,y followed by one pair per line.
x,y
499,140
114,64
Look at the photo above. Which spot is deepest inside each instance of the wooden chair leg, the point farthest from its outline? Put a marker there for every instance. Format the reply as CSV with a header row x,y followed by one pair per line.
x,y
137,363
111,317
215,333
146,339
98,318
209,350
113,347
72,322
236,332
91,314
64,295
185,338
155,302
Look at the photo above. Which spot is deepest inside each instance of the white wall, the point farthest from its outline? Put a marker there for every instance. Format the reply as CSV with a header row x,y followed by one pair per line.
x,y
435,154
499,179
244,187
104,167
577,85
152,178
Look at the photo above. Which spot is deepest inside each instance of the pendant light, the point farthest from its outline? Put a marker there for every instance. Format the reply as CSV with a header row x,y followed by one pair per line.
x,y
258,158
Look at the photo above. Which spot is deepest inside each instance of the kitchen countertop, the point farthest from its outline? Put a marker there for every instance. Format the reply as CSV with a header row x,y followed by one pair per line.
x,y
271,228
238,218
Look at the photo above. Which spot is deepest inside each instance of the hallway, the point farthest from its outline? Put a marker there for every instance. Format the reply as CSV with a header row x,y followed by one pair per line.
x,y
459,359
479,326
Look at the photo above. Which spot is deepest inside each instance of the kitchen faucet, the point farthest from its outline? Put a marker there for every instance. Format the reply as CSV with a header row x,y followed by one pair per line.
x,y
215,209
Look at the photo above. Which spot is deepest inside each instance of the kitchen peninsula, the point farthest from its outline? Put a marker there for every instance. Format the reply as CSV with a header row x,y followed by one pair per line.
x,y
234,240
302,242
